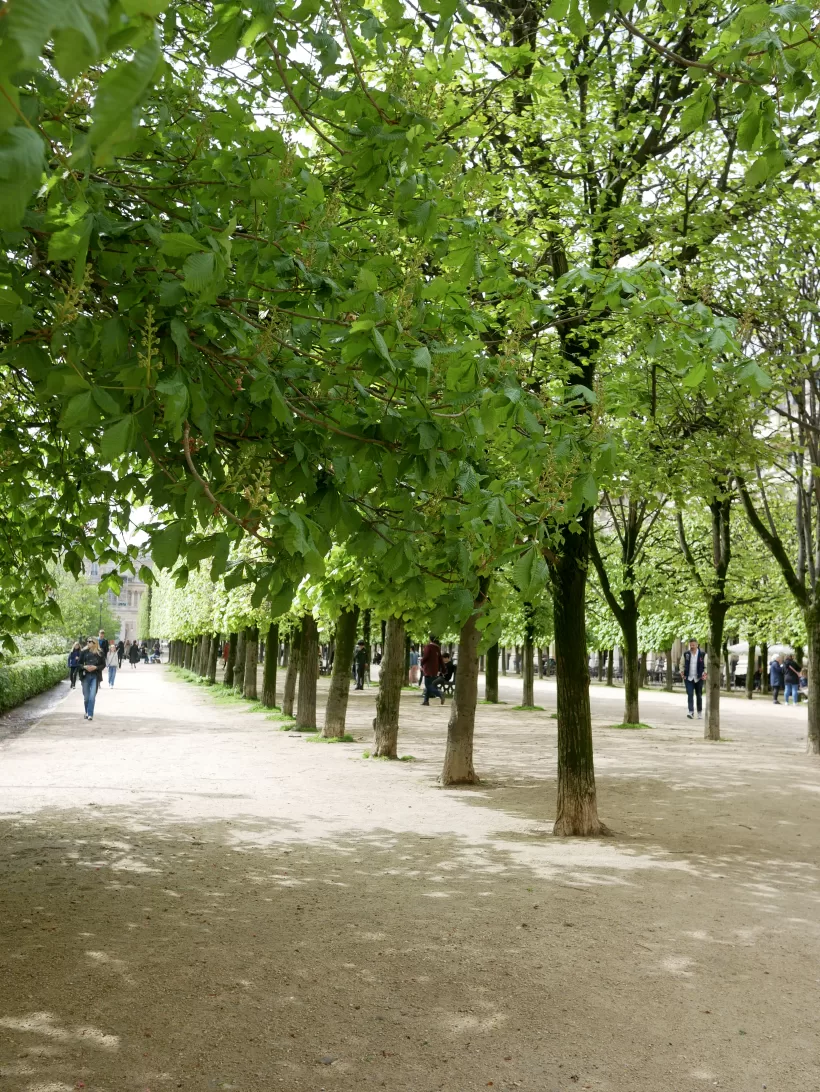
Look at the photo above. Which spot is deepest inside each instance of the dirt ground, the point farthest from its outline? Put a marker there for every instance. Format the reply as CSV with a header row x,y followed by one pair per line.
x,y
192,898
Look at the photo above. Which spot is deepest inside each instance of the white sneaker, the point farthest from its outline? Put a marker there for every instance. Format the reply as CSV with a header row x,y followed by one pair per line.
x,y
700,716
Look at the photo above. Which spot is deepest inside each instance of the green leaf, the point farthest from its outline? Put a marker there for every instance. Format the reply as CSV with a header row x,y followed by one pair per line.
x,y
178,244
119,91
118,439
70,242
367,280
381,346
144,7
165,546
80,410
199,272
421,357
21,171
758,172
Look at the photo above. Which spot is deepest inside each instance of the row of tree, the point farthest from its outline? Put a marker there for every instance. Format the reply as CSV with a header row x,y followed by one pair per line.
x,y
426,285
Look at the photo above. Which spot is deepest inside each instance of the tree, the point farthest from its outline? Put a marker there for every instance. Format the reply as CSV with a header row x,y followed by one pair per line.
x,y
84,607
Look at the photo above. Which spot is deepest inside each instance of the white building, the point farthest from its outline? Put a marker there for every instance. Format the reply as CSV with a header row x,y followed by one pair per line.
x,y
126,605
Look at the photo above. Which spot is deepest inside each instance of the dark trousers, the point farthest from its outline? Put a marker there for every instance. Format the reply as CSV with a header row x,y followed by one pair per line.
x,y
358,673
693,687
431,689
72,674
775,691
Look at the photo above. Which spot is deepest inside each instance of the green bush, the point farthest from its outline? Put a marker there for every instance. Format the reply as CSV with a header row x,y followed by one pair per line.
x,y
26,678
36,645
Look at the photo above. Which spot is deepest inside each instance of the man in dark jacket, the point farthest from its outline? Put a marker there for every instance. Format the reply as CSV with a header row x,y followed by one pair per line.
x,y
694,672
432,665
791,679
102,641
776,677
360,664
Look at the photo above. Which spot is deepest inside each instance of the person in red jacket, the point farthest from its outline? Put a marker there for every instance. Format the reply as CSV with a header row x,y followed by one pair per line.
x,y
432,665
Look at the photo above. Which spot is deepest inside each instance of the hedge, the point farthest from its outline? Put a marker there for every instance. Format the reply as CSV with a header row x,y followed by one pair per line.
x,y
26,678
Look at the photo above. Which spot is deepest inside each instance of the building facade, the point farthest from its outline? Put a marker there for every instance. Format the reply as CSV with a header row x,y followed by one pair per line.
x,y
126,605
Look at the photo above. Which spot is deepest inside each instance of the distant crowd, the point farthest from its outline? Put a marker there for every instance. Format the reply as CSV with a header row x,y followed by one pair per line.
x,y
92,656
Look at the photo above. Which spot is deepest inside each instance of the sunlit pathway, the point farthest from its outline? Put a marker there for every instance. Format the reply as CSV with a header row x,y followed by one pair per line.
x,y
194,899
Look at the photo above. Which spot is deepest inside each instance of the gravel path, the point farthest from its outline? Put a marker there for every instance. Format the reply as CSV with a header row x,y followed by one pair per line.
x,y
194,899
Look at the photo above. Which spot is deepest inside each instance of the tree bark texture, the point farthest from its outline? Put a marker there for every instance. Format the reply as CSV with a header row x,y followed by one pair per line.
x,y
239,668
812,616
230,666
577,805
189,655
308,676
458,758
491,675
336,709
765,686
249,690
213,653
610,667
751,664
289,694
632,681
727,665
527,673
270,666
504,660
717,617
670,678
388,700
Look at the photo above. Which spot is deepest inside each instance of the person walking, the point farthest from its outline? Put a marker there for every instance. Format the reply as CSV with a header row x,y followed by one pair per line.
x,y
791,679
432,666
134,654
693,673
112,663
360,664
92,662
102,641
776,677
120,652
74,664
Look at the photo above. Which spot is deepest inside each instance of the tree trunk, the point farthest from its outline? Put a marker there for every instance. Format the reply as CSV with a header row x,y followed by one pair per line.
x,y
336,709
577,806
391,677
610,667
642,670
271,664
670,678
600,667
765,687
812,617
308,675
239,669
213,653
289,694
230,666
717,617
366,637
205,655
407,649
458,758
249,690
727,665
491,675
189,653
503,659
750,670
632,674
540,652
526,667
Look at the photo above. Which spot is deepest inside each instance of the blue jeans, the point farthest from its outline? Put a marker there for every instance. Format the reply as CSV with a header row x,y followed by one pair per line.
x,y
791,690
693,687
89,685
112,674
430,689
